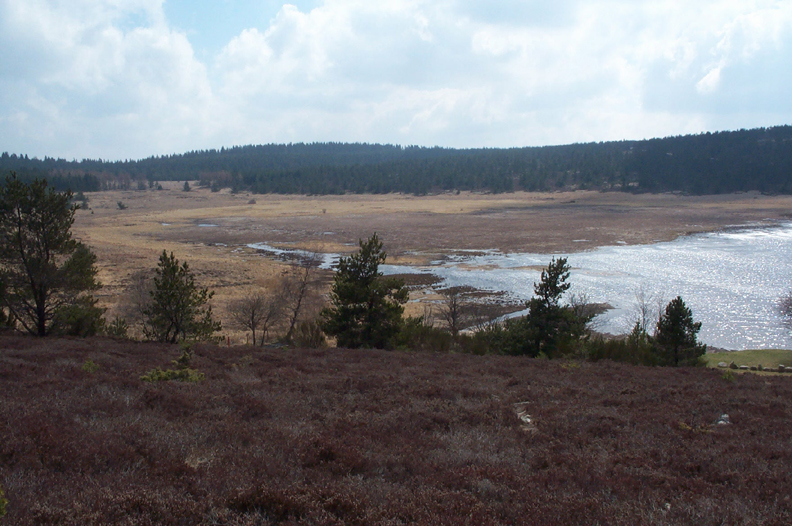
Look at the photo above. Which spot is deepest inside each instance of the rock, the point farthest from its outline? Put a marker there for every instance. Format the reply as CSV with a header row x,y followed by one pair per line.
x,y
521,408
723,420
733,365
781,368
753,367
759,367
744,367
722,364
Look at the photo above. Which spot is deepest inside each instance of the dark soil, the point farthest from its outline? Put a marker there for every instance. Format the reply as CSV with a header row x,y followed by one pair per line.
x,y
372,437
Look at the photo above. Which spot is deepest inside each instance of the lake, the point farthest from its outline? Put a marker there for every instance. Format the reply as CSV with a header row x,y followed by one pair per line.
x,y
732,280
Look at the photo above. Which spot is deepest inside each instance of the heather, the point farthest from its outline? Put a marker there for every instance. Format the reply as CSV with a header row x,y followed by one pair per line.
x,y
335,436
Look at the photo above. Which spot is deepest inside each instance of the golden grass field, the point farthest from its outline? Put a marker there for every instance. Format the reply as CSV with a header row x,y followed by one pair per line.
x,y
414,229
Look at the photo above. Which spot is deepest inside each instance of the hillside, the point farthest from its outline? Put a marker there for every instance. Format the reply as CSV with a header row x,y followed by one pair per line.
x,y
710,163
369,437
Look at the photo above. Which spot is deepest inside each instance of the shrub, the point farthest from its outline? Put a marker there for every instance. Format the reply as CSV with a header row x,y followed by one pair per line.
x,y
118,328
90,367
309,334
121,205
728,375
415,335
636,349
3,503
83,318
182,373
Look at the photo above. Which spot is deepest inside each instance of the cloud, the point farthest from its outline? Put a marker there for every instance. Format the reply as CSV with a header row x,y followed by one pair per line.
x,y
111,78
79,80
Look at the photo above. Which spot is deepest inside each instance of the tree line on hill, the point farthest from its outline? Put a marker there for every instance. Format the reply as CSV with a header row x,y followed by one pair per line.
x,y
47,279
708,163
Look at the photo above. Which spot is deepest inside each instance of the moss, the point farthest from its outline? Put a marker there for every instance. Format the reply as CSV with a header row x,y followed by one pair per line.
x,y
181,375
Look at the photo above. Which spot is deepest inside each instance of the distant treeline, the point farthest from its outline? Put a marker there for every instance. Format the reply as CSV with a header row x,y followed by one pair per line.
x,y
708,163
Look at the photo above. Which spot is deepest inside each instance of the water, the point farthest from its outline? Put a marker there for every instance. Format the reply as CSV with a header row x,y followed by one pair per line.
x,y
731,280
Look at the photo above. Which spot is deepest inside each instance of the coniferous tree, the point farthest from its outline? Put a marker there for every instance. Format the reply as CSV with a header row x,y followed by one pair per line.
x,y
549,328
675,337
178,309
43,271
366,307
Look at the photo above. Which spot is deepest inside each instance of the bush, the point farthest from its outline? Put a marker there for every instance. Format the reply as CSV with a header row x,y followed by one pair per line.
x,y
90,367
308,334
83,318
3,503
480,342
118,328
182,373
415,335
165,375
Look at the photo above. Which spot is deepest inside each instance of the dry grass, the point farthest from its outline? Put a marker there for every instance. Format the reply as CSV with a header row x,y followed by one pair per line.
x,y
371,437
415,229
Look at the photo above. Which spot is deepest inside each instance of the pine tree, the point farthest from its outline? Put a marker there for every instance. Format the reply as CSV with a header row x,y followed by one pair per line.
x,y
548,328
43,271
675,337
366,307
178,309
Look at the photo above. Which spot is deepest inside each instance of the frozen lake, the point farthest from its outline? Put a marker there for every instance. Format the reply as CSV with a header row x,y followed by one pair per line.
x,y
731,280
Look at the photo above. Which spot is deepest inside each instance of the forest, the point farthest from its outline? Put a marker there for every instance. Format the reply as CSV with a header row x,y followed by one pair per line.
x,y
708,163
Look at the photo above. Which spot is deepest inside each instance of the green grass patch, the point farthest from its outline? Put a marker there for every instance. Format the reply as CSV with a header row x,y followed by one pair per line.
x,y
766,357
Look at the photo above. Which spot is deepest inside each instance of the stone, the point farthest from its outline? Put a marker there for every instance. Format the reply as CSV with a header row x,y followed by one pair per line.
x,y
723,420
732,365
722,364
753,367
744,367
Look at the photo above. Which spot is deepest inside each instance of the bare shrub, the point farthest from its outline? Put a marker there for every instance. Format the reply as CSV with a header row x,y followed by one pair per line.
x,y
308,334
648,308
454,309
258,311
585,309
298,290
136,299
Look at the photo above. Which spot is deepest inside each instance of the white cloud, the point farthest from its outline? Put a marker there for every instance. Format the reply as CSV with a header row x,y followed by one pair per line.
x,y
84,83
111,78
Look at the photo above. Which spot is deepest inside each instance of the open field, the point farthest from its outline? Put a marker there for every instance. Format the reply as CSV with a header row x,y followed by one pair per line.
x,y
372,437
210,230
764,357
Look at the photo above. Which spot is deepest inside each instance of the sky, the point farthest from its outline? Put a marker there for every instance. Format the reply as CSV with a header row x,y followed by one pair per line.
x,y
127,79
